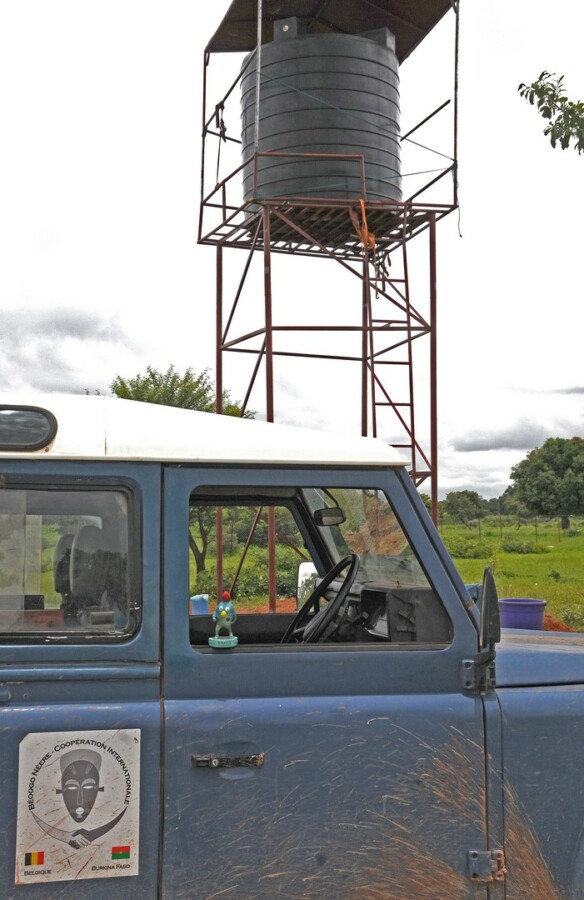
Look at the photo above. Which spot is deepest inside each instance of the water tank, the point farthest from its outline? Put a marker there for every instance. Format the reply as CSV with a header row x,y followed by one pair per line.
x,y
323,94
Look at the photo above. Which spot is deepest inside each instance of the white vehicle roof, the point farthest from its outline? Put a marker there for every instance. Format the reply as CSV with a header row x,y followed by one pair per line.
x,y
94,427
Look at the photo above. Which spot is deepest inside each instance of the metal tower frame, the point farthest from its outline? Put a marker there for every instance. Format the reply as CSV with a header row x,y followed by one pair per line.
x,y
363,237
359,236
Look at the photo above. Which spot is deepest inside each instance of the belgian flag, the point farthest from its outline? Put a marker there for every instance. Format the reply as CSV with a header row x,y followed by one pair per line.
x,y
34,859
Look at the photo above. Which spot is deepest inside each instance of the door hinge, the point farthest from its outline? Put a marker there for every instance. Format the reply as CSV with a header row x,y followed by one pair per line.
x,y
486,865
207,761
478,674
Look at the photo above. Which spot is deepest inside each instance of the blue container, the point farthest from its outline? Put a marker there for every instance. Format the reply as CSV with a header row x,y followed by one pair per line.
x,y
199,605
522,612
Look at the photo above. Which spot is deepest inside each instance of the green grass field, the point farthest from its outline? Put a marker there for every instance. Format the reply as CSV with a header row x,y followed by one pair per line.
x,y
537,559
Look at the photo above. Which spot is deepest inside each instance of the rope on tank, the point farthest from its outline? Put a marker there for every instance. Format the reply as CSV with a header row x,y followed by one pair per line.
x,y
349,112
341,109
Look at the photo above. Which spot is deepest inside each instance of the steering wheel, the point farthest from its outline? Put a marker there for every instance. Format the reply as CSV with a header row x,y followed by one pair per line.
x,y
302,632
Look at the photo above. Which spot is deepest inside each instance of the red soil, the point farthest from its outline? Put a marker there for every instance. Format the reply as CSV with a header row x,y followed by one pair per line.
x,y
282,606
552,624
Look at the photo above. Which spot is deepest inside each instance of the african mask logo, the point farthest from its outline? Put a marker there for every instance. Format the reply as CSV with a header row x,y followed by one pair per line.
x,y
80,782
78,805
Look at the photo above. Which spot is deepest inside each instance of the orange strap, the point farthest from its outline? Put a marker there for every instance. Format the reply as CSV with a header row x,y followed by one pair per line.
x,y
361,228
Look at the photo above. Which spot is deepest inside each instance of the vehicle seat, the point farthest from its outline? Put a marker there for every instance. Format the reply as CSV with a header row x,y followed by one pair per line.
x,y
61,574
88,570
61,564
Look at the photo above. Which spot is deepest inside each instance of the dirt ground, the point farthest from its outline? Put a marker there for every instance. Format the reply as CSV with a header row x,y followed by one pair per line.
x,y
550,623
287,605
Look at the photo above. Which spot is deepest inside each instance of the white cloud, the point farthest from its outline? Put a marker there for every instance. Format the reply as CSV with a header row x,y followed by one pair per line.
x,y
60,350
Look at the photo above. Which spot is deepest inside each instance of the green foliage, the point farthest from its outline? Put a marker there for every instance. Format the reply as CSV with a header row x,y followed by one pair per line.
x,y
427,501
463,506
510,505
170,388
573,616
565,117
252,582
515,545
463,547
528,574
550,480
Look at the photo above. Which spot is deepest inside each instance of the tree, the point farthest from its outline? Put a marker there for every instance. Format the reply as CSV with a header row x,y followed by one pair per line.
x,y
463,506
550,480
427,501
565,117
189,391
170,388
511,505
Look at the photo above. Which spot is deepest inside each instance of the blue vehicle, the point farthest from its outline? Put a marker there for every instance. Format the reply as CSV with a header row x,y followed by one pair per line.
x,y
377,740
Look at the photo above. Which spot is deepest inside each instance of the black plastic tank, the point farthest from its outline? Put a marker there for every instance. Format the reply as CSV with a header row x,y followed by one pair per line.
x,y
323,94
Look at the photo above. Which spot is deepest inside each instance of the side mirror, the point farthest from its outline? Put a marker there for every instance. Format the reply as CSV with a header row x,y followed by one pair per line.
x,y
490,622
330,515
306,581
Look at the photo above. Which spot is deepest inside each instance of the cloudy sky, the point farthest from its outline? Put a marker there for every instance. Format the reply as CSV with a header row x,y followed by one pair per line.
x,y
100,273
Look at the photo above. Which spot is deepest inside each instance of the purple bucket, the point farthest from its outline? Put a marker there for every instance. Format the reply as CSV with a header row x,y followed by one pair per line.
x,y
522,612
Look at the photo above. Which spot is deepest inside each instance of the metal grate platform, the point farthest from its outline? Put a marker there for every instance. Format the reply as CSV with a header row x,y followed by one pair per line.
x,y
318,228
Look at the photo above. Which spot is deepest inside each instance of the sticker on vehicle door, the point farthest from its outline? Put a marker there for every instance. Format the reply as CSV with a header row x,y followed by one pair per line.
x,y
78,805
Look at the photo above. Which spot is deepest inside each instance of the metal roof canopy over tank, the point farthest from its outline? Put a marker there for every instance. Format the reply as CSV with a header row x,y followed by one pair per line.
x,y
409,21
267,203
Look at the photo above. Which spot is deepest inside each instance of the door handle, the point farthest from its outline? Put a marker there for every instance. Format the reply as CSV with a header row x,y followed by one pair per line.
x,y
5,695
208,761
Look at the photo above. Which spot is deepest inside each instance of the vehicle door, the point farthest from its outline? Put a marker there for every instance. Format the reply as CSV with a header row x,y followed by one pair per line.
x,y
353,766
543,731
79,680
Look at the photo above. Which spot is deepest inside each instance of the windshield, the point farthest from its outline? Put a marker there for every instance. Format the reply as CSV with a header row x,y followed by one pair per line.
x,y
371,530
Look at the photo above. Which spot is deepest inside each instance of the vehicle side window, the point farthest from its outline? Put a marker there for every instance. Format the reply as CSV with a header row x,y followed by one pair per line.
x,y
245,551
271,554
64,563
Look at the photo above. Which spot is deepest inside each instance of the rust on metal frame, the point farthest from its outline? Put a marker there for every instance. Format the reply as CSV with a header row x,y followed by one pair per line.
x,y
401,326
307,225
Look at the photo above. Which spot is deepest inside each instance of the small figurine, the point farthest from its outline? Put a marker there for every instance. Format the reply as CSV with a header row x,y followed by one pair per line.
x,y
224,617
